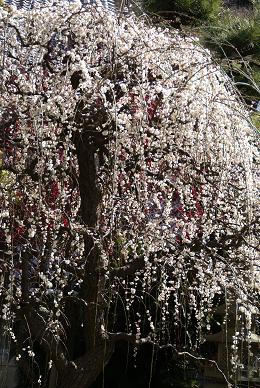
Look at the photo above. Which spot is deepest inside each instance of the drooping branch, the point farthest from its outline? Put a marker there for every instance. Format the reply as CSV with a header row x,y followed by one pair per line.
x,y
128,269
137,342
141,164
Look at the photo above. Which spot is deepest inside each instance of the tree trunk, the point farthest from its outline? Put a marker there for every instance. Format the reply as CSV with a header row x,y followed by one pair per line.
x,y
97,350
88,368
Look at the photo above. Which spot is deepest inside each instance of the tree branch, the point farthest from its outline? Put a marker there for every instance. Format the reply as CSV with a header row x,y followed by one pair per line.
x,y
133,339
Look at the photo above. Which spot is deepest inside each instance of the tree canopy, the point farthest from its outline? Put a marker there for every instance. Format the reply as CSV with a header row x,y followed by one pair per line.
x,y
130,185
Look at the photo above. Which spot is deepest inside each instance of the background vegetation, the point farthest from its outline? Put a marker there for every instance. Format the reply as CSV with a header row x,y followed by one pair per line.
x,y
232,33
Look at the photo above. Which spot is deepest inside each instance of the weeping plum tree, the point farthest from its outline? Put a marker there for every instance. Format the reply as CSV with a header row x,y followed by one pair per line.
x,y
128,183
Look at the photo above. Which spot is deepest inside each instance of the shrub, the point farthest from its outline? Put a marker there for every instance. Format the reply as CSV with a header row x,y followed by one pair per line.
x,y
235,40
189,11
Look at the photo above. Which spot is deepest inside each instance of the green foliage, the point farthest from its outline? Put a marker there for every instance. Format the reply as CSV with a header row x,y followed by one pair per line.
x,y
7,178
234,36
7,182
256,120
4,177
235,39
189,11
4,5
236,33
